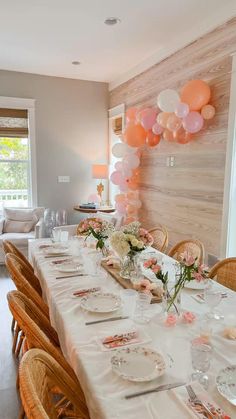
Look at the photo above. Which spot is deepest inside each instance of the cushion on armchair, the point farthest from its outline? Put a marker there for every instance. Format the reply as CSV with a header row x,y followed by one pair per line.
x,y
20,220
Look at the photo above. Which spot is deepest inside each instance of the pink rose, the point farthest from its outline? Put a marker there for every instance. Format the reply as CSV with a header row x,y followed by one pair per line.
x,y
171,320
147,263
188,258
188,317
197,276
156,269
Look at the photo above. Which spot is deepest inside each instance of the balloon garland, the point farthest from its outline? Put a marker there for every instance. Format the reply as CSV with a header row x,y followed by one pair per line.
x,y
177,118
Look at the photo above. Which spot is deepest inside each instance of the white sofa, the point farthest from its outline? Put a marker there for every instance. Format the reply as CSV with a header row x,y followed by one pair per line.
x,y
19,225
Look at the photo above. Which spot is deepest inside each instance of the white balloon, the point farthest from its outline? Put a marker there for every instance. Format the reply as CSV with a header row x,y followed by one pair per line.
x,y
120,149
131,161
167,100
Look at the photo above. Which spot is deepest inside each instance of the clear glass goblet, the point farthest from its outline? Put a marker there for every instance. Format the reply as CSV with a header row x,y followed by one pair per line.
x,y
201,354
212,298
142,305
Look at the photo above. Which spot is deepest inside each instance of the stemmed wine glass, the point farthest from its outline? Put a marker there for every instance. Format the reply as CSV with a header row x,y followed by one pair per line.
x,y
213,298
201,358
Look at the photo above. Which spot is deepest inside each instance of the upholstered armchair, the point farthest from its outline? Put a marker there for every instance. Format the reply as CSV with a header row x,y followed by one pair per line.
x,y
19,225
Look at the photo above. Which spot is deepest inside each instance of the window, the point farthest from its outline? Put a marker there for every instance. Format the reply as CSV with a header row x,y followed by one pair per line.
x,y
15,189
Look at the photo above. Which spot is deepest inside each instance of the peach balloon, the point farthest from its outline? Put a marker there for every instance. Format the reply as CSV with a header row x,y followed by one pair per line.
x,y
132,184
174,123
168,136
120,198
208,112
162,118
129,220
131,113
196,93
131,210
183,137
152,140
131,195
135,135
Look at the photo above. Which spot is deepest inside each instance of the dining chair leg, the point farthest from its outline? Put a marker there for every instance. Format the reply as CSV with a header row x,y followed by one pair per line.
x,y
17,330
13,324
18,348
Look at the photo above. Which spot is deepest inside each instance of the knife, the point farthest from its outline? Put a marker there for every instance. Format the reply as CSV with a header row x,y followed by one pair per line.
x,y
70,276
155,390
111,319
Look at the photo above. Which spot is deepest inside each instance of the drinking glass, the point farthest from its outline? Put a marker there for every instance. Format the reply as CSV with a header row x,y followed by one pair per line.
x,y
201,358
212,298
142,305
56,235
128,298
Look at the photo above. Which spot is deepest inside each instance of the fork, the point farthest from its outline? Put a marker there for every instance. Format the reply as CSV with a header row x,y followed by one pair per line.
x,y
193,398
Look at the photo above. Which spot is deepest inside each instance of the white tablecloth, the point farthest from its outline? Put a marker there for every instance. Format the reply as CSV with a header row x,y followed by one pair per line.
x,y
103,389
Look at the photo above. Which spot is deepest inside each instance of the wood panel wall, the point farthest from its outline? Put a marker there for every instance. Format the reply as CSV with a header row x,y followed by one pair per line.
x,y
187,198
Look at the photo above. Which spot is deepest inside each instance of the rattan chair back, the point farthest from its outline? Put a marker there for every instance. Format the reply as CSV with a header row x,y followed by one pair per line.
x,y
160,236
9,247
39,374
193,247
25,281
224,272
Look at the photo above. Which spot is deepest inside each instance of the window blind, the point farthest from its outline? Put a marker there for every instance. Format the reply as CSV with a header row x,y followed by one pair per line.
x,y
13,122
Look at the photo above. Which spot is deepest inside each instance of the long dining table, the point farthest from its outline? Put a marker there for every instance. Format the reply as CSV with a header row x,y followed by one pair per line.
x,y
104,390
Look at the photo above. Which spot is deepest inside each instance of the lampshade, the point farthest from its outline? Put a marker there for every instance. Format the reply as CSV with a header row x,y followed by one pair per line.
x,y
100,171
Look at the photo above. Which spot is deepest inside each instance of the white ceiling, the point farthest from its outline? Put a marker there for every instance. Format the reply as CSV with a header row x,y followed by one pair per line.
x,y
44,36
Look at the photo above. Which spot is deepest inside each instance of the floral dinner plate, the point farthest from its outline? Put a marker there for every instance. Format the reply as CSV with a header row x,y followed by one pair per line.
x,y
101,302
138,364
69,267
196,285
54,251
226,383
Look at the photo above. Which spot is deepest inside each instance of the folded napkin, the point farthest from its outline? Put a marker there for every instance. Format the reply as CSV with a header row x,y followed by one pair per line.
x,y
85,291
120,339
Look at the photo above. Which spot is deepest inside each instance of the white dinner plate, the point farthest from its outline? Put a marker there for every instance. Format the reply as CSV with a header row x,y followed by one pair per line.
x,y
69,267
55,251
138,364
101,302
226,383
196,285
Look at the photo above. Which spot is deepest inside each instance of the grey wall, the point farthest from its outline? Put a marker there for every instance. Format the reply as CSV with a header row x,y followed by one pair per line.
x,y
71,133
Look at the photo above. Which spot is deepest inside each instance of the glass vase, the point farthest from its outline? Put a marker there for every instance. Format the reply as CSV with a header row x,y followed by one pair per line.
x,y
171,299
129,267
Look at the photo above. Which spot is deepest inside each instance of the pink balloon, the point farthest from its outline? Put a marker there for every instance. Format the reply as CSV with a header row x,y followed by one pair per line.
x,y
131,161
182,110
123,186
193,122
157,129
148,118
118,166
121,208
126,170
116,177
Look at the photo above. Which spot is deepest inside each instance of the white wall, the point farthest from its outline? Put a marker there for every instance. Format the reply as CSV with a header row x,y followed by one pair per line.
x,y
71,133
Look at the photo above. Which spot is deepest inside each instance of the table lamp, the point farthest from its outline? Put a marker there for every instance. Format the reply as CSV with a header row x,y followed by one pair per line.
x,y
100,171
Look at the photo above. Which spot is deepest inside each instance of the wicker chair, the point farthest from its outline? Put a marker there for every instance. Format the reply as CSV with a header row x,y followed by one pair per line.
x,y
39,374
194,247
224,272
9,247
28,284
160,236
38,331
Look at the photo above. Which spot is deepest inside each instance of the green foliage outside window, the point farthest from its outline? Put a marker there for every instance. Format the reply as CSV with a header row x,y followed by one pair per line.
x,y
14,174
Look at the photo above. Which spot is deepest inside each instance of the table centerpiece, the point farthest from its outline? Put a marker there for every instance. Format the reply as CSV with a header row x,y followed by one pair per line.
x,y
187,269
99,229
128,242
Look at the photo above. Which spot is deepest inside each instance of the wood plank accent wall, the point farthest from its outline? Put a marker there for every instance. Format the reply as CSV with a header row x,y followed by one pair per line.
x,y
187,198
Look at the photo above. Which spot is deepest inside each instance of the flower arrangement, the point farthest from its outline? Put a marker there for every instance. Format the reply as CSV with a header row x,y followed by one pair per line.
x,y
130,240
145,286
187,270
98,228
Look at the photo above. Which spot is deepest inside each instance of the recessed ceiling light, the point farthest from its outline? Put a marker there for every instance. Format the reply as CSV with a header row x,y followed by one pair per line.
x,y
112,21
76,62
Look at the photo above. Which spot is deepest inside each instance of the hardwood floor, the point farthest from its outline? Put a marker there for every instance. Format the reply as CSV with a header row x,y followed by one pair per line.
x,y
9,400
